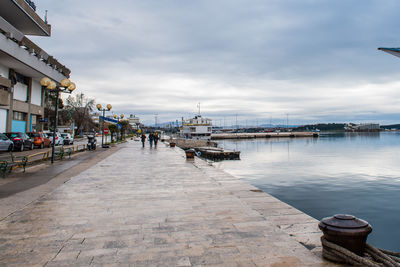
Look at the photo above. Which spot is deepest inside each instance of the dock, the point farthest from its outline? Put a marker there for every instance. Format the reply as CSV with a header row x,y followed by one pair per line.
x,y
152,207
216,154
191,143
221,136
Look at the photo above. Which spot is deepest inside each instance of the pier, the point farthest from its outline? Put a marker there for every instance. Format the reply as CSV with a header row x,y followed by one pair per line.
x,y
221,136
216,154
152,207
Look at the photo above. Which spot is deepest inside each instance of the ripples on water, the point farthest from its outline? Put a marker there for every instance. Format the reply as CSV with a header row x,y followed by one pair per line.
x,y
357,174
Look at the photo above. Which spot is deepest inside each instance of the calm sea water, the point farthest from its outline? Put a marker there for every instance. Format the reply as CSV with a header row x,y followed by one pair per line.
x,y
356,174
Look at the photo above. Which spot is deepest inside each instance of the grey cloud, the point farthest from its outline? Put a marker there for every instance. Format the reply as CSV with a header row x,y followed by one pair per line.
x,y
237,56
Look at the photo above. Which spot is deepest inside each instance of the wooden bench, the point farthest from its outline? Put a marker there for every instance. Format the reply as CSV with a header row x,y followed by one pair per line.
x,y
10,162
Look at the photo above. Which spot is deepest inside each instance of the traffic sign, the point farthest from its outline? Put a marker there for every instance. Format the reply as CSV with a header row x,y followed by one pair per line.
x,y
106,131
107,119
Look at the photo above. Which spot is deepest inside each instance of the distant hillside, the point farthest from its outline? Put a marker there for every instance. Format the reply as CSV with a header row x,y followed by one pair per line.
x,y
392,126
322,127
278,125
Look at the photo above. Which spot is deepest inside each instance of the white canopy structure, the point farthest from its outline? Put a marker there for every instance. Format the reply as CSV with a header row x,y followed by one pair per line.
x,y
393,51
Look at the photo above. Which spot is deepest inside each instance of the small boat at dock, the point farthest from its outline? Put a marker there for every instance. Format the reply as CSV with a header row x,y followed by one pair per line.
x,y
217,154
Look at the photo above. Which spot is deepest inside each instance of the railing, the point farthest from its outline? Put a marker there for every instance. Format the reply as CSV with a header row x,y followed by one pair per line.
x,y
31,4
45,155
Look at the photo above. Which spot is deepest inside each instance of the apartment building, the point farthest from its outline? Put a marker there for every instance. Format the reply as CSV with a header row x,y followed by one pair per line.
x,y
22,65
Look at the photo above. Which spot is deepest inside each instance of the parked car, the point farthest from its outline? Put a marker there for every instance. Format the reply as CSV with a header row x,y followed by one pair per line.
x,y
5,143
40,139
21,141
68,139
59,140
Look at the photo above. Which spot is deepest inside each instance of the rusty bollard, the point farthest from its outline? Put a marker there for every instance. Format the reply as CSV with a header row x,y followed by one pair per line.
x,y
190,154
172,144
346,231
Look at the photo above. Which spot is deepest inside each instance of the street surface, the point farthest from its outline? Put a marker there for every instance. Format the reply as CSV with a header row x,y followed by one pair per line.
x,y
151,207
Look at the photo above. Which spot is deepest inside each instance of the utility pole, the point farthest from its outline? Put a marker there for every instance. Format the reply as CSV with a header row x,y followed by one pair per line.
x,y
237,126
224,123
287,121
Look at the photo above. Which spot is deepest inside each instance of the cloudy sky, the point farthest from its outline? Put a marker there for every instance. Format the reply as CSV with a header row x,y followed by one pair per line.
x,y
315,60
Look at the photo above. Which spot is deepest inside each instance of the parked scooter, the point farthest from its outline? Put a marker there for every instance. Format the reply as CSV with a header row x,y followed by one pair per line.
x,y
91,142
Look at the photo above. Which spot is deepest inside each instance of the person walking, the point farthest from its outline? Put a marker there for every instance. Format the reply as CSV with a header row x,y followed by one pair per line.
x,y
151,139
155,139
143,138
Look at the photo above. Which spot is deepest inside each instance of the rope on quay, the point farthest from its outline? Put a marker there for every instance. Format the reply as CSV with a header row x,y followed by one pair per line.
x,y
374,257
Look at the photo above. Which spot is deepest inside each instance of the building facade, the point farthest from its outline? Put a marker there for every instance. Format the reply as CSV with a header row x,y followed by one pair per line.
x,y
363,127
134,122
196,128
22,65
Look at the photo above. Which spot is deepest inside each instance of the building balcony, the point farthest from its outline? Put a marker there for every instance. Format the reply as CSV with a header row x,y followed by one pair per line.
x,y
21,14
21,54
4,97
4,82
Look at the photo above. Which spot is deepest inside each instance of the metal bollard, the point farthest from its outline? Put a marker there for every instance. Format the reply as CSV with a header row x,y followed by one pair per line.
x,y
346,231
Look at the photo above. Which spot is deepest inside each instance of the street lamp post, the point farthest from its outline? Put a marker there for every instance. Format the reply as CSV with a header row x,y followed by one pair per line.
x,y
100,108
118,118
122,117
66,86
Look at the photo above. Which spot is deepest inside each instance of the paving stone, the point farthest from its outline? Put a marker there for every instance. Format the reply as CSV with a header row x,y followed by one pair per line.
x,y
151,207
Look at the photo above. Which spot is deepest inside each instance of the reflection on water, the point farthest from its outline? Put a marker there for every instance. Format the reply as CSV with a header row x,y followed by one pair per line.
x,y
353,173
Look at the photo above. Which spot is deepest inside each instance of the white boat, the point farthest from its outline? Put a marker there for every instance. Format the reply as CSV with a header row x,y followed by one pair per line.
x,y
197,128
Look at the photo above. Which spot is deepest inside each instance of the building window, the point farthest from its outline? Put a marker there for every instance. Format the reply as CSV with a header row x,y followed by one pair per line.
x,y
208,129
193,129
19,116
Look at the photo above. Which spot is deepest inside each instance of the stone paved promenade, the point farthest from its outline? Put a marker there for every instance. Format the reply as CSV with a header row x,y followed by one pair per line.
x,y
150,207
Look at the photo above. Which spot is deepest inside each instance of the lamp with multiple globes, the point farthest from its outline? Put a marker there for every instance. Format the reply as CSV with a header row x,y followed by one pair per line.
x,y
66,86
118,118
100,108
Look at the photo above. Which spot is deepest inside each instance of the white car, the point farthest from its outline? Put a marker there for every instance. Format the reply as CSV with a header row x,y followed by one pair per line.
x,y
5,143
68,139
59,139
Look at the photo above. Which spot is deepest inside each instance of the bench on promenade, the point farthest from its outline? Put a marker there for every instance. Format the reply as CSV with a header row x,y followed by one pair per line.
x,y
60,152
68,151
10,162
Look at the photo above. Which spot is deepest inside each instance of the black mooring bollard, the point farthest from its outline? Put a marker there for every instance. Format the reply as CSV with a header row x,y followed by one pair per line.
x,y
346,231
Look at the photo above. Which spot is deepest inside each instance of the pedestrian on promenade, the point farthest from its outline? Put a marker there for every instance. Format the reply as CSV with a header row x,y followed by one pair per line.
x,y
143,138
155,139
151,139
